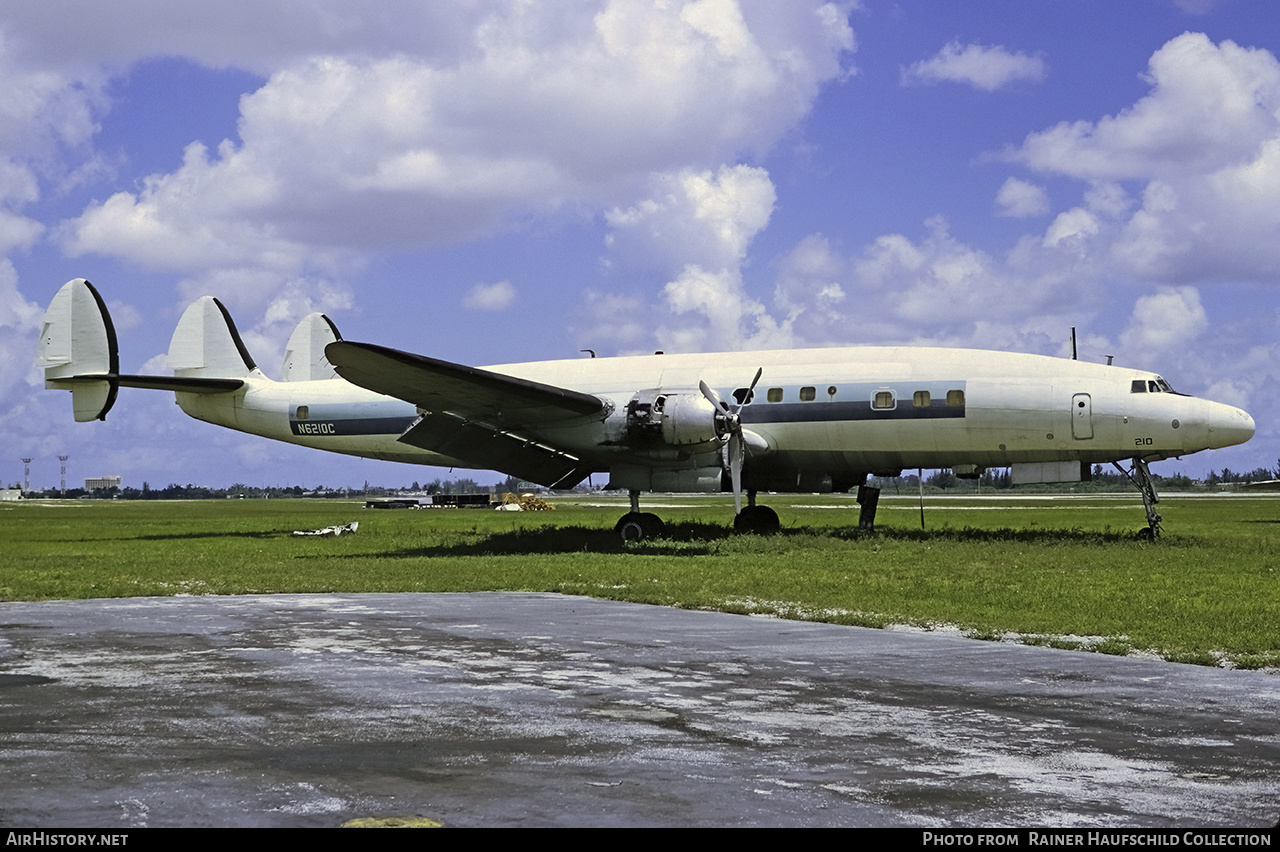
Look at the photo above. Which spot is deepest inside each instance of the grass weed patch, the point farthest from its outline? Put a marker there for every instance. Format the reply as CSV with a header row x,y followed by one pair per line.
x,y
1067,573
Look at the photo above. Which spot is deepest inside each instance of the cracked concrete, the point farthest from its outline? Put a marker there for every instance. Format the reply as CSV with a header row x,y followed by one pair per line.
x,y
525,709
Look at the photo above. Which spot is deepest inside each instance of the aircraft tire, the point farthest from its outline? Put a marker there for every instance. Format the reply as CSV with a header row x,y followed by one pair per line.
x,y
637,526
760,520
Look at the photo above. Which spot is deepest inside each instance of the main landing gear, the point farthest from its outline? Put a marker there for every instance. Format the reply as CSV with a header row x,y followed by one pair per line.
x,y
636,525
1140,476
760,520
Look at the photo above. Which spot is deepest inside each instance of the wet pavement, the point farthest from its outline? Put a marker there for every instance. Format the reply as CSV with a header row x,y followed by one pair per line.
x,y
548,710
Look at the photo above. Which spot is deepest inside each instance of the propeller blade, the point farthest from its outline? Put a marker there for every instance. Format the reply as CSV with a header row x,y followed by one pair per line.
x,y
751,388
713,397
735,469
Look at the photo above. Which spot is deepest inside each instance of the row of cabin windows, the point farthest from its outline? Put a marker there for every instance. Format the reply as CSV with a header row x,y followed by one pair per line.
x,y
882,400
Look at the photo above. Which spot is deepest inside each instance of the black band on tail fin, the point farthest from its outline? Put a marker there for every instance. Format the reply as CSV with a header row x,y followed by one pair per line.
x,y
235,336
113,351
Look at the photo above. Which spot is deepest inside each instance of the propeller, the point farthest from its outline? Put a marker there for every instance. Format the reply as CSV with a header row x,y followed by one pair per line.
x,y
732,426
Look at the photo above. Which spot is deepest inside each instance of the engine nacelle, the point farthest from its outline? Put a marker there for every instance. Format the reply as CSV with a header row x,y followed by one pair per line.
x,y
659,418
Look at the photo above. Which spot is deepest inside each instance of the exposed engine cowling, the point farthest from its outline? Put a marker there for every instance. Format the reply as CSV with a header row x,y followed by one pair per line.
x,y
659,418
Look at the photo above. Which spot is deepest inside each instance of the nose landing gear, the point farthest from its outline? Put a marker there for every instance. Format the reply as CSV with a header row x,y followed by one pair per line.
x,y
1140,476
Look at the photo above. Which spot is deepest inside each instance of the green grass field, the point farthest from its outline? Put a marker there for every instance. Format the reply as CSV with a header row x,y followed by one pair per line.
x,y
1066,572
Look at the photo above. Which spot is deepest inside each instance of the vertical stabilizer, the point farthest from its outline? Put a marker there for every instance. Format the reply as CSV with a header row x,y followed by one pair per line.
x,y
206,345
78,350
304,359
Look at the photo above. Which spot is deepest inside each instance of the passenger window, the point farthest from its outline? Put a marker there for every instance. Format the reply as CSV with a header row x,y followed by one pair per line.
x,y
955,398
1139,386
303,412
775,394
883,400
921,399
743,396
807,394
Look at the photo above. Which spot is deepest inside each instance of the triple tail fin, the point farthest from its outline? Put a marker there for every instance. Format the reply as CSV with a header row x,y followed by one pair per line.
x,y
206,344
304,358
79,353
78,350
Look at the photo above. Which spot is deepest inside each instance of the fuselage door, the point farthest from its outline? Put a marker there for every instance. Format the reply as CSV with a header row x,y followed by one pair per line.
x,y
1081,417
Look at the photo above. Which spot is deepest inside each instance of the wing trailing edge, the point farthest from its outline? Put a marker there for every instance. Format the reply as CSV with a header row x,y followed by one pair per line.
x,y
482,445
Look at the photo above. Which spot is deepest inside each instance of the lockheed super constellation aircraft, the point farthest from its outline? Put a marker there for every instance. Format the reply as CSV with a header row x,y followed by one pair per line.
x,y
804,420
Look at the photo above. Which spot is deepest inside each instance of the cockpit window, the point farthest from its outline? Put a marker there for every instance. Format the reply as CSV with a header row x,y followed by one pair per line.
x,y
1156,385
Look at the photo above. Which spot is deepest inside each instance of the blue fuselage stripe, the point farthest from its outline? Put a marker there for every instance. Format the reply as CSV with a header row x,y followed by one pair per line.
x,y
861,411
351,426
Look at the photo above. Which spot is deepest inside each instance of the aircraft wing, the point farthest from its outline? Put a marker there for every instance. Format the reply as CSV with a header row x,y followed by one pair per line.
x,y
477,416
436,385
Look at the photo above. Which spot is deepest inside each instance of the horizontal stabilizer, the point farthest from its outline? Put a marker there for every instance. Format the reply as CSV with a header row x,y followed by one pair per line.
x,y
169,383
181,385
440,386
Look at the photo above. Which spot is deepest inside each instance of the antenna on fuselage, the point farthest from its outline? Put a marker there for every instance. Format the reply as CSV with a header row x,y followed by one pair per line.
x,y
1073,343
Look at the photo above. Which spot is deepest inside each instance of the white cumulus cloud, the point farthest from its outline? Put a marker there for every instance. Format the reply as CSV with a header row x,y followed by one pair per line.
x,y
365,139
1211,106
527,113
727,318
986,68
1018,198
490,297
1164,321
695,217
1203,148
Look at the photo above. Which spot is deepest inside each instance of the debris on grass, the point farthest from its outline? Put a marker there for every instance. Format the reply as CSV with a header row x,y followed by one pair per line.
x,y
335,530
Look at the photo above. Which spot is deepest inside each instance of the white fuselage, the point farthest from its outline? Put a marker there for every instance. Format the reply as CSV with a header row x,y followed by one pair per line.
x,y
819,418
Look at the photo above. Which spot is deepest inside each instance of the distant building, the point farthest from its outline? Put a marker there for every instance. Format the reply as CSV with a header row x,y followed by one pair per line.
x,y
10,494
102,482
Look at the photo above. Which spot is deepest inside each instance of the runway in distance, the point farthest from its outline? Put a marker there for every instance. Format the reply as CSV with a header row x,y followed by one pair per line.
x,y
802,420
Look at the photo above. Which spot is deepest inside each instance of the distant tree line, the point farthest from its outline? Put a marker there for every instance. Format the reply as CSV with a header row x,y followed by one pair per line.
x,y
1259,474
174,491
1104,478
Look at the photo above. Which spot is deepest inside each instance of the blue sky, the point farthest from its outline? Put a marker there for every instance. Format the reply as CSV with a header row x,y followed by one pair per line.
x,y
491,182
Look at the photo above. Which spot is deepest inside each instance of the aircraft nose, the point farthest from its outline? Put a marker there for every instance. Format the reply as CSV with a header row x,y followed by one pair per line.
x,y
1229,426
